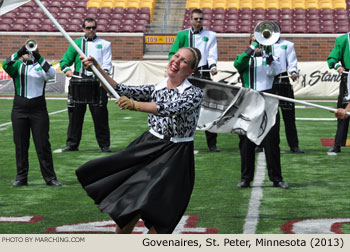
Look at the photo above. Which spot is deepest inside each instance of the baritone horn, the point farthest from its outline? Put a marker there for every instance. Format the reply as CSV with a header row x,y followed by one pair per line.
x,y
267,33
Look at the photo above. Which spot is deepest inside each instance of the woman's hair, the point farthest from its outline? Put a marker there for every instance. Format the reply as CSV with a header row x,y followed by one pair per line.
x,y
196,56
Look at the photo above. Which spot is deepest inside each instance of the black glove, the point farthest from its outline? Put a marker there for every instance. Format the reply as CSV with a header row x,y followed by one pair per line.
x,y
22,51
269,58
36,55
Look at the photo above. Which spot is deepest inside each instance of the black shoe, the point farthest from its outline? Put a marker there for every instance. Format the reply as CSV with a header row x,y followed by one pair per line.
x,y
243,184
106,149
18,183
259,149
70,148
335,149
214,149
296,150
53,182
281,184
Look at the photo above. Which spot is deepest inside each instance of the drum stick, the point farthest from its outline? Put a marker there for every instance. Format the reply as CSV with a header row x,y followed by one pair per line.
x,y
77,76
93,68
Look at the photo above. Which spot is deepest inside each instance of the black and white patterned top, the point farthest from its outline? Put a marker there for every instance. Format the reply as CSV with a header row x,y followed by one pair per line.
x,y
178,109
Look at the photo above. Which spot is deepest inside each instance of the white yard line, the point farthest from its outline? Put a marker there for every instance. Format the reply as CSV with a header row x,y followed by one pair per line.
x,y
52,113
252,218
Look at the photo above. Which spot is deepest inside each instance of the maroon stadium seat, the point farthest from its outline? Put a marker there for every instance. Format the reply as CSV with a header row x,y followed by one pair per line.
x,y
102,22
104,16
128,22
312,11
130,11
18,27
272,17
32,27
23,21
56,4
286,11
35,21
219,11
105,11
130,16
313,29
117,11
140,28
245,11
92,12
5,27
272,12
245,28
218,16
64,16
217,22
144,16
206,11
70,4
217,28
114,28
115,22
259,11
141,22
144,10
232,16
7,21
341,11
76,21
26,9
54,10
67,10
342,28
10,14
80,4
117,16
313,17
232,11
81,10
287,28
327,28
126,28
299,29
231,28
231,22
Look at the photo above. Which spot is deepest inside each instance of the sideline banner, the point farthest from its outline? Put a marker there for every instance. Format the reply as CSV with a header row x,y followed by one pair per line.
x,y
315,78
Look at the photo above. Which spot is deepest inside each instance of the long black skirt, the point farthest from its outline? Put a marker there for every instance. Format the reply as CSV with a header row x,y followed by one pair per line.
x,y
152,178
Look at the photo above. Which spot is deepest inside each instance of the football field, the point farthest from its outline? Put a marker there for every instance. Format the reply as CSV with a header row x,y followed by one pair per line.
x,y
318,200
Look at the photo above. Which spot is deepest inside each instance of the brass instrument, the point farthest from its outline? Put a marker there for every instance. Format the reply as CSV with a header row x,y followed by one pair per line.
x,y
31,45
267,33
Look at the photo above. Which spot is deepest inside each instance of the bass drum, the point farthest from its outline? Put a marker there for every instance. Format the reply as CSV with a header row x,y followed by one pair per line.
x,y
84,90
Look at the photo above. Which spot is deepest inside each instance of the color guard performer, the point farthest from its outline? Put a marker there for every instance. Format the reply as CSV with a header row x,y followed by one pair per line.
x,y
153,177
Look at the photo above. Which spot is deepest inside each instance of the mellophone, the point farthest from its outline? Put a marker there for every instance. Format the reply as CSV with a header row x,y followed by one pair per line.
x,y
84,90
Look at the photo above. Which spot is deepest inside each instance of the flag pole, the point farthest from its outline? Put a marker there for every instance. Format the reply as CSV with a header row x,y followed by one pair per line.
x,y
94,69
277,97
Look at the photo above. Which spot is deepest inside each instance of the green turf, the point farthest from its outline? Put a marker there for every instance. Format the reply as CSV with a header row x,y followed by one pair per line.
x,y
319,183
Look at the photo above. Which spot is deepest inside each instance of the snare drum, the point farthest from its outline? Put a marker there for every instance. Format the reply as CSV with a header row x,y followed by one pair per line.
x,y
84,90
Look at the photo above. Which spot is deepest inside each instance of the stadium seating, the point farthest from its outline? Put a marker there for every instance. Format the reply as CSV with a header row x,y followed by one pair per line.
x,y
293,15
319,16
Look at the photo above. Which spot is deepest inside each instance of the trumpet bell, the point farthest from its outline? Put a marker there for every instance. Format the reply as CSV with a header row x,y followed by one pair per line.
x,y
31,45
267,33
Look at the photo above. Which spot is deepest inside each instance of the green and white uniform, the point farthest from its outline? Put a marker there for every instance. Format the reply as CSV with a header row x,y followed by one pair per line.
x,y
204,40
29,79
255,72
98,48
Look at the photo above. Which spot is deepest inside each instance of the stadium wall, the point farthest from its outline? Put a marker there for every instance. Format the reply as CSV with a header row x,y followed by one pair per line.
x,y
129,46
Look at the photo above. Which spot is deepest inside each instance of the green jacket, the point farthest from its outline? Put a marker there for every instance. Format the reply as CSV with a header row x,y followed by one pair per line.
x,y
340,54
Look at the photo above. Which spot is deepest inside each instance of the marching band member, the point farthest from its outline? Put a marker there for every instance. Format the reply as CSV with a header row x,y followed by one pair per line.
x,y
29,113
153,177
284,50
205,41
100,49
258,72
339,59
